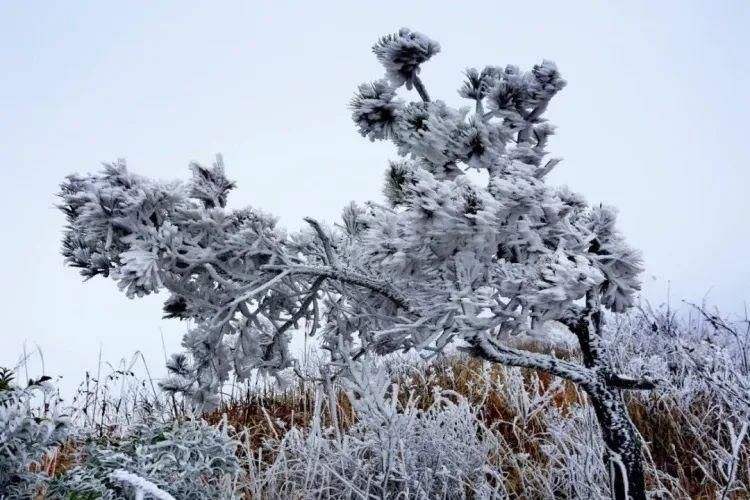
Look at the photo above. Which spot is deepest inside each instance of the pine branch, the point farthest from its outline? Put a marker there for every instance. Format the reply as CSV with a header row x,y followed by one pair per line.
x,y
490,350
421,89
378,286
324,239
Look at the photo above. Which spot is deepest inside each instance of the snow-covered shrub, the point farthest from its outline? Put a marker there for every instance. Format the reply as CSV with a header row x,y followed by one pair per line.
x,y
190,460
27,436
393,449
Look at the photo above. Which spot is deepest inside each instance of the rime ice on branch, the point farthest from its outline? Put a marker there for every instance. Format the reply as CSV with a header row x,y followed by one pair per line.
x,y
446,259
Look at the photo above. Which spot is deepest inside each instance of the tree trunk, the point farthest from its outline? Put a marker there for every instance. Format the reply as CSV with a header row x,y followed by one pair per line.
x,y
621,440
622,456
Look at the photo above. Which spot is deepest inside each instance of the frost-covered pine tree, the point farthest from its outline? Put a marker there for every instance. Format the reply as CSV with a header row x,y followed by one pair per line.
x,y
447,258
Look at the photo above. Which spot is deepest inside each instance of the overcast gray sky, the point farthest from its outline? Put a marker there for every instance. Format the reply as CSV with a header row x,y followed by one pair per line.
x,y
653,121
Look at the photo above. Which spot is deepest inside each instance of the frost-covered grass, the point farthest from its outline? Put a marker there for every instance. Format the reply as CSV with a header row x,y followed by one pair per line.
x,y
402,428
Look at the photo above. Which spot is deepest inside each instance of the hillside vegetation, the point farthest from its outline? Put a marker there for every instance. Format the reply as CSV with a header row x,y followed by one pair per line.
x,y
453,427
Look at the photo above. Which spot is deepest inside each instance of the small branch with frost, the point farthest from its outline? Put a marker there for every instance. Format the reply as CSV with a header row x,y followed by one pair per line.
x,y
421,89
257,290
305,304
330,256
351,277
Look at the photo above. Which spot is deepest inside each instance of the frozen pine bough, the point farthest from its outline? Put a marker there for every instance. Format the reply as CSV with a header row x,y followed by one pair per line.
x,y
444,259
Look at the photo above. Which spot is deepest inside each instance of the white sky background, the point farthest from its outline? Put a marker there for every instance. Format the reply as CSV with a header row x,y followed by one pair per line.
x,y
653,121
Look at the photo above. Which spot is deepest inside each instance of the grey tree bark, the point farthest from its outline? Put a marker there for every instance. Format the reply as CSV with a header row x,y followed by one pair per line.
x,y
623,447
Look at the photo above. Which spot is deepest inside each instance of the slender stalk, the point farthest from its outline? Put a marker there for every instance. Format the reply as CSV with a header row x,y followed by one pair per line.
x,y
419,86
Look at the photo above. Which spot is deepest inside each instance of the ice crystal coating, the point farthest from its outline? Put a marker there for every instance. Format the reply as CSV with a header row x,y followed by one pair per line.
x,y
402,54
450,257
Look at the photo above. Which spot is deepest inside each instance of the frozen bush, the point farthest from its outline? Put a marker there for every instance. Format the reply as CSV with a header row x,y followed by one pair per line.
x,y
26,436
189,460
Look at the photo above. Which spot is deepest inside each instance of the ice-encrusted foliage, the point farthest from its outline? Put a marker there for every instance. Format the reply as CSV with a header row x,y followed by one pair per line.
x,y
374,109
403,427
148,236
403,53
451,259
190,460
465,260
394,450
416,423
26,436
43,454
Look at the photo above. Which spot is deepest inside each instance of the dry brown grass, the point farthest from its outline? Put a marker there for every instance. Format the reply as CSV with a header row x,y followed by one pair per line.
x,y
58,461
665,428
673,444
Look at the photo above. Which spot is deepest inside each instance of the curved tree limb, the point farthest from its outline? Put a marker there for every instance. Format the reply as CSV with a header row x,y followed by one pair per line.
x,y
490,350
381,287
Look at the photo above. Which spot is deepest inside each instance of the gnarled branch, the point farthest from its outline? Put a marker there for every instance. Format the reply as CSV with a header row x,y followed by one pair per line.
x,y
381,287
486,348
